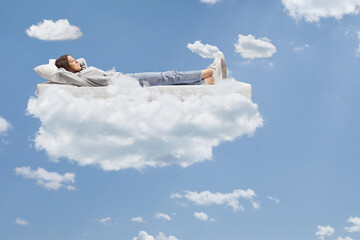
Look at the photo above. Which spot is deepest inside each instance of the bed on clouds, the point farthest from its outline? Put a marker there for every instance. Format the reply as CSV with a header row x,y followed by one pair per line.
x,y
180,90
48,70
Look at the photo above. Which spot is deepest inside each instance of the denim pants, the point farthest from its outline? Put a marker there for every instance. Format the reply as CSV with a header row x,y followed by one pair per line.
x,y
149,79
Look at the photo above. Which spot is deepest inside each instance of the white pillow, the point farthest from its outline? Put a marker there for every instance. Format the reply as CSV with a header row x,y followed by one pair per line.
x,y
47,70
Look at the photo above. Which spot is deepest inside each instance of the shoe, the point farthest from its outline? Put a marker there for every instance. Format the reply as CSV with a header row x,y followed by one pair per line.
x,y
217,70
219,56
223,68
213,65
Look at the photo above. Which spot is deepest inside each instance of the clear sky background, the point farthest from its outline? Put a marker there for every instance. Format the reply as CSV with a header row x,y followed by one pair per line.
x,y
297,176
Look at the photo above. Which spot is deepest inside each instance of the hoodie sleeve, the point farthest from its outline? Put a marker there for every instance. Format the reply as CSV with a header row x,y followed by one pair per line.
x,y
82,63
65,77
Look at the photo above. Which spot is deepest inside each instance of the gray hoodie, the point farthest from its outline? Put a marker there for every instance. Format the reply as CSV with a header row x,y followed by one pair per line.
x,y
87,77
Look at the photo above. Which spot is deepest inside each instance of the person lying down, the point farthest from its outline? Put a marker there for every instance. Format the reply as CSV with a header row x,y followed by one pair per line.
x,y
75,72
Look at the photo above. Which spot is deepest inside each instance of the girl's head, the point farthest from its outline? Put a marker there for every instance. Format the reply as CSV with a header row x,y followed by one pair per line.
x,y
68,63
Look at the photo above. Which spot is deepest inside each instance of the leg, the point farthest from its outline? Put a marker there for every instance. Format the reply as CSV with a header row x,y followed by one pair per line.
x,y
209,81
207,73
169,78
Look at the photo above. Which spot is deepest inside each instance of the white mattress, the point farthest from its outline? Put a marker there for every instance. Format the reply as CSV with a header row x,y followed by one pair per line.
x,y
178,90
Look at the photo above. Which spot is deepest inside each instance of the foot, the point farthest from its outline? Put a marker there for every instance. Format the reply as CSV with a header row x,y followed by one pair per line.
x,y
209,81
213,65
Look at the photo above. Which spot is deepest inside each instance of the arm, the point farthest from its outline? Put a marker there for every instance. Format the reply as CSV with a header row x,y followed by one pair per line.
x,y
64,77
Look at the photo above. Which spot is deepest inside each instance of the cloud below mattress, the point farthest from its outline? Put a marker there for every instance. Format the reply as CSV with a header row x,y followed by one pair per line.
x,y
126,126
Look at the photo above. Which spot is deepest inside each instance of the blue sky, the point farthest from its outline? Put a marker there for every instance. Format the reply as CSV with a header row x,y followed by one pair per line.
x,y
302,63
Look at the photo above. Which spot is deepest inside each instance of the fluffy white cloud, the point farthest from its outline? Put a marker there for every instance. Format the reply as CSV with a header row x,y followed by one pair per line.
x,y
162,215
211,2
21,222
137,219
54,31
4,125
203,217
145,236
275,199
324,231
356,224
313,10
344,238
105,221
162,236
129,131
249,47
205,51
49,180
209,198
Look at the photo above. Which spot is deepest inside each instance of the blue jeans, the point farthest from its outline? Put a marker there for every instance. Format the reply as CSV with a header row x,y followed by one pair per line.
x,y
149,79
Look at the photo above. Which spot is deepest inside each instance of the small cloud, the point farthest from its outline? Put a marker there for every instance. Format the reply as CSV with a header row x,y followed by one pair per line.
x,y
324,231
21,222
246,62
210,2
175,195
344,238
137,219
71,188
161,236
301,48
49,180
205,51
4,125
143,236
228,199
184,205
357,50
347,31
313,10
275,199
106,221
350,31
356,224
203,217
249,47
54,31
163,216
256,205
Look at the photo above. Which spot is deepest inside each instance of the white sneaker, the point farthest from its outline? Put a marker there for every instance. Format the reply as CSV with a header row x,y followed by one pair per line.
x,y
217,70
219,57
213,65
219,54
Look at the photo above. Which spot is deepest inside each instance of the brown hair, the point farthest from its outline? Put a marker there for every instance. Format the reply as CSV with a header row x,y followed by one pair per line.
x,y
62,62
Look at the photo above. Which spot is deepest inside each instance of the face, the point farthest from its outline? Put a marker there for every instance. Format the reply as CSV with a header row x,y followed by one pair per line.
x,y
74,65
